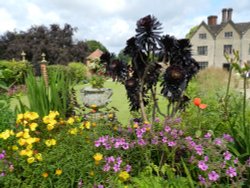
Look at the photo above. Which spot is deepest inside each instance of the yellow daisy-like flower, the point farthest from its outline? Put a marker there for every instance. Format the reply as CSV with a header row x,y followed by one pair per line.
x,y
29,146
23,152
6,134
50,127
87,125
110,116
29,152
30,140
70,121
82,126
135,126
93,106
30,115
19,134
14,148
53,114
94,124
21,141
45,174
58,172
123,176
50,142
98,157
73,131
39,157
19,118
31,160
33,126
48,119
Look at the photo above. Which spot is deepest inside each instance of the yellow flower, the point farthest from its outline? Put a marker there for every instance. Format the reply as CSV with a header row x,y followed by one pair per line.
x,y
29,152
98,157
45,174
53,114
81,126
91,173
94,124
19,118
22,152
26,133
93,106
19,134
31,160
14,147
33,126
39,157
135,125
6,134
73,131
50,142
58,172
21,141
123,176
48,119
29,146
30,115
70,121
110,116
30,140
50,127
87,125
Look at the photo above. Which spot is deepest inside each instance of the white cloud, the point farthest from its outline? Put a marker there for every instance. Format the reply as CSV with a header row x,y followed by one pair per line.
x,y
6,20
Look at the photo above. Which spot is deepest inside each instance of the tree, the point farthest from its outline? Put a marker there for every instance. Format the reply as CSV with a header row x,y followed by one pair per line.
x,y
57,43
93,45
191,32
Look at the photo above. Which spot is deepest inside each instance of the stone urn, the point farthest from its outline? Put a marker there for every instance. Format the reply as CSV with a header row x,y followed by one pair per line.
x,y
96,97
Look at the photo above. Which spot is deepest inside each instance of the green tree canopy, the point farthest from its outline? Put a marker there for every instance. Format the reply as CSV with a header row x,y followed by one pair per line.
x,y
93,45
191,32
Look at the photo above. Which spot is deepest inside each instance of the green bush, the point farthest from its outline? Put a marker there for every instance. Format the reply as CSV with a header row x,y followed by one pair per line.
x,y
13,72
78,71
58,68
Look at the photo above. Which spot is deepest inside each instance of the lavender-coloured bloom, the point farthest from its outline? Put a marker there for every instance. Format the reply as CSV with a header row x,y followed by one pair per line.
x,y
2,174
218,141
231,172
199,149
213,176
107,146
191,159
80,183
128,168
248,162
2,156
202,165
125,146
208,135
157,120
227,155
106,168
223,164
202,179
167,129
228,137
119,160
110,159
236,160
180,132
116,167
164,139
100,186
161,133
154,141
189,138
171,144
206,158
141,142
97,143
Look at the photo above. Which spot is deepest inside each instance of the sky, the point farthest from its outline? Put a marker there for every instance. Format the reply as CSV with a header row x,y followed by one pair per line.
x,y
113,22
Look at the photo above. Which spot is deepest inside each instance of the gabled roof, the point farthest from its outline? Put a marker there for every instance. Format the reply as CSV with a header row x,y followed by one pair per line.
x,y
241,28
206,26
96,54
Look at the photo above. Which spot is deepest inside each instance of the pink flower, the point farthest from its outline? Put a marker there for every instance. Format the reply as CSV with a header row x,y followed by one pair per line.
x,y
213,176
227,155
202,165
171,143
202,179
231,172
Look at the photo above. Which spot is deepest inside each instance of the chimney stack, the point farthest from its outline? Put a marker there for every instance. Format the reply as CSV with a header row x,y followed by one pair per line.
x,y
212,20
224,15
229,14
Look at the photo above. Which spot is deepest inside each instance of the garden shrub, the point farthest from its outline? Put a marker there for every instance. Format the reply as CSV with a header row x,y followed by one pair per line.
x,y
13,72
58,68
78,71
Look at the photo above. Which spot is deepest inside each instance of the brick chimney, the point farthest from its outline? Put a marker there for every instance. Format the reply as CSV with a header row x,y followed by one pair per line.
x,y
224,15
229,14
212,20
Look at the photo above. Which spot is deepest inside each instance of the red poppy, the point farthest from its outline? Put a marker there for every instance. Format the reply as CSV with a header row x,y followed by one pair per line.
x,y
197,102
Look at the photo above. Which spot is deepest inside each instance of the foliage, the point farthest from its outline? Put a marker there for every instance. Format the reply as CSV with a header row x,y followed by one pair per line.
x,y
97,81
58,96
94,45
78,71
191,32
146,49
7,117
57,43
13,72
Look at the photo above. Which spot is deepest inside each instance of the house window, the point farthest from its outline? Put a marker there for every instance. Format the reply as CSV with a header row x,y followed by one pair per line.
x,y
226,66
202,50
228,49
203,64
228,34
202,36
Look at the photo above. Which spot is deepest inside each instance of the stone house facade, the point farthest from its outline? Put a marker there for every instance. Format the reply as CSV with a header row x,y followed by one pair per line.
x,y
212,40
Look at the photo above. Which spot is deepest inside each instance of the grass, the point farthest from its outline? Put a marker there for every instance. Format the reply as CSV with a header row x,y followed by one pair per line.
x,y
119,100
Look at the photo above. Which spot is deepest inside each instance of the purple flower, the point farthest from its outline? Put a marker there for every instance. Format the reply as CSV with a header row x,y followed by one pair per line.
x,y
202,165
202,179
213,176
236,160
128,168
141,142
106,168
191,159
206,158
2,174
167,129
208,135
100,186
231,172
248,162
164,139
2,156
125,146
80,183
199,149
116,167
119,160
157,120
218,141
171,143
189,138
154,141
228,137
227,155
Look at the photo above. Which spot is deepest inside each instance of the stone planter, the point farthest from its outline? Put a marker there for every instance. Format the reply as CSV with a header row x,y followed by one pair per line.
x,y
97,98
